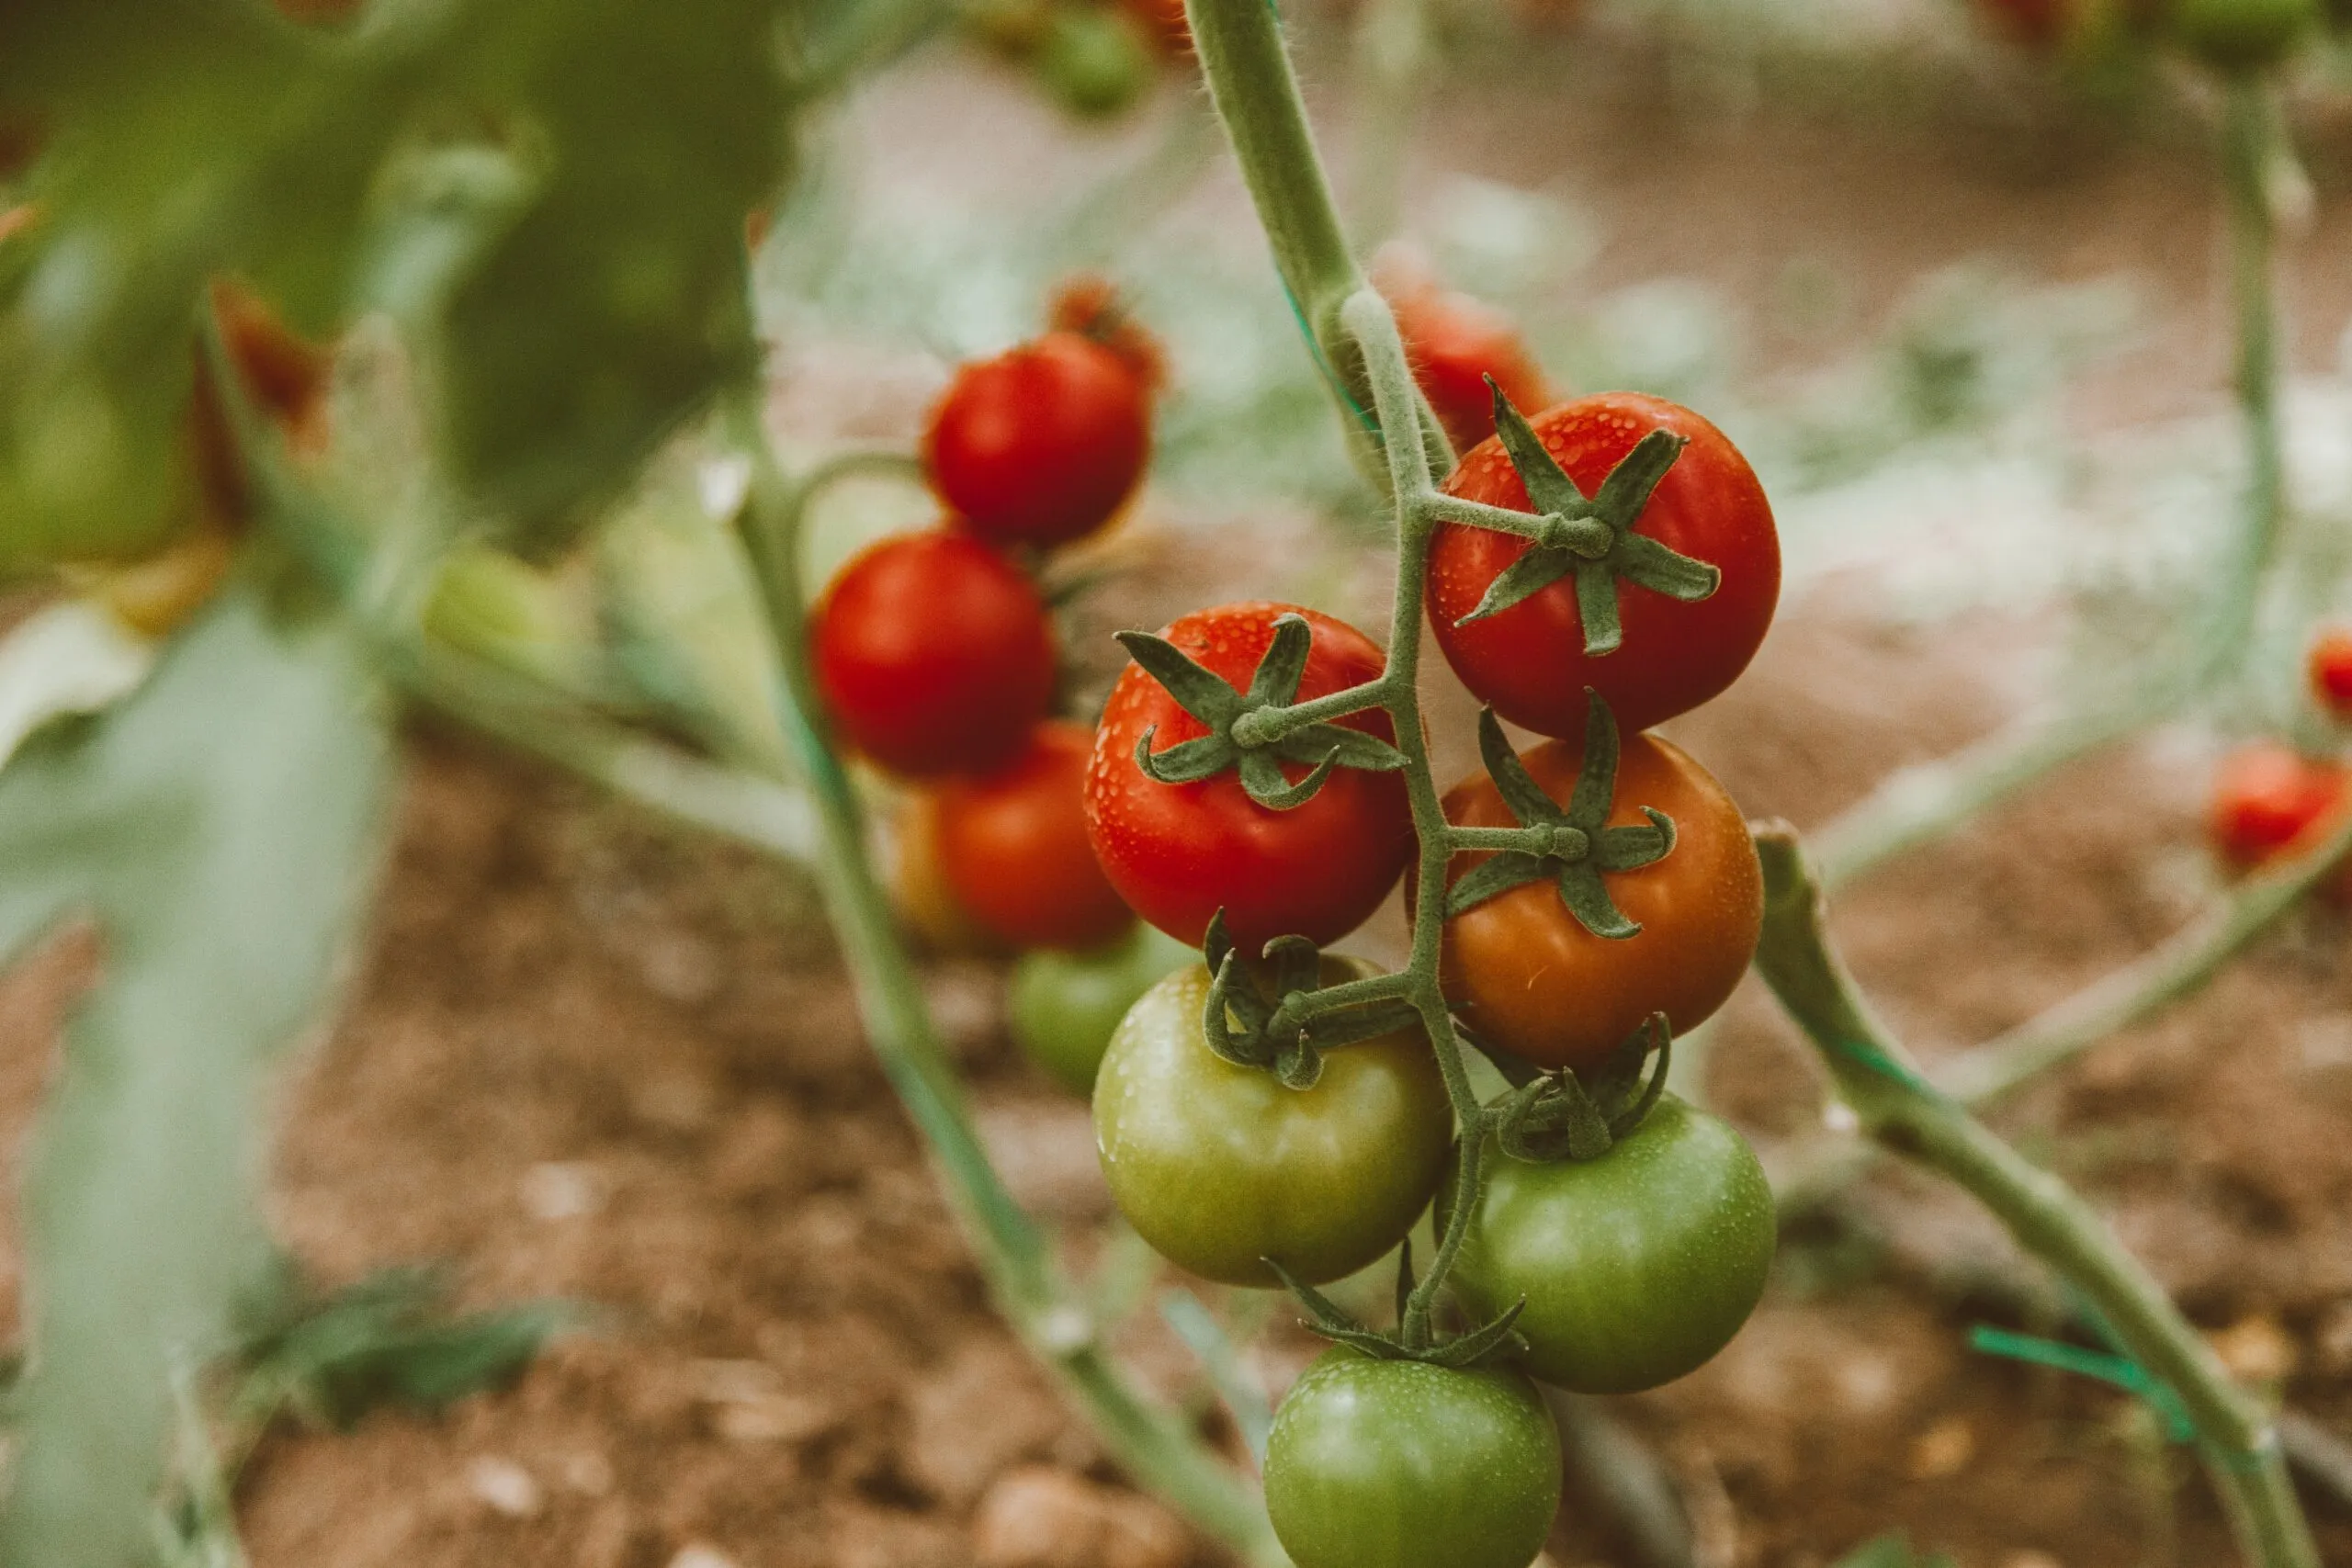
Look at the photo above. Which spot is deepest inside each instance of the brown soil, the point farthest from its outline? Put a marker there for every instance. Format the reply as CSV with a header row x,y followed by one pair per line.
x,y
589,1056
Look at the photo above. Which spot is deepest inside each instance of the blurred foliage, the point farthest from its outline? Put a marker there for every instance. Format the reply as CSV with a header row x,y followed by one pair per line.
x,y
218,828
1892,1552
507,171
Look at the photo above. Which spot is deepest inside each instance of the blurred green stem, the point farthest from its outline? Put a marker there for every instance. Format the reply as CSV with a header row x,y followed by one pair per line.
x,y
1049,1314
1903,1113
1920,803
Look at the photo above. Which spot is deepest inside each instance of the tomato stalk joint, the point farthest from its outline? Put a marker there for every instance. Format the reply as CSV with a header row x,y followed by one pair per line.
x,y
1572,845
1592,536
1554,1116
1490,1341
1239,737
1288,1035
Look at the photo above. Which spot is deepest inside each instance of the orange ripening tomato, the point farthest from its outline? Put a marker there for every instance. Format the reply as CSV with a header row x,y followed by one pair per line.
x,y
926,906
1527,977
1014,848
1165,24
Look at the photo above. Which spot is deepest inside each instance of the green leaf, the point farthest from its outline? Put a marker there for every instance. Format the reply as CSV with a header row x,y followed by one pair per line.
x,y
1261,779
1642,560
1518,789
1206,696
1627,489
1630,848
1187,761
1597,780
219,827
1533,571
1284,664
1353,747
1506,869
1549,489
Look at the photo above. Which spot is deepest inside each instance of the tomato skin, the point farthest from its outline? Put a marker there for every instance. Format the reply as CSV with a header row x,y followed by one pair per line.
x,y
1219,1167
2329,667
934,654
1529,662
925,904
1041,445
1454,343
1013,846
1637,1266
1062,1007
1400,1464
1528,978
2271,800
1179,852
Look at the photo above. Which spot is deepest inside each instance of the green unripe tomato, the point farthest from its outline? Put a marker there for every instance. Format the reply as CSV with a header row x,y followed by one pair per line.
x,y
1219,1167
1093,60
1399,1464
1637,1266
2241,35
1064,1007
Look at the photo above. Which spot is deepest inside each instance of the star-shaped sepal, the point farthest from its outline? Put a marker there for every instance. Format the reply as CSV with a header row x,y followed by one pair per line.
x,y
1594,538
1287,1034
1321,748
1573,847
1490,1341
1555,1116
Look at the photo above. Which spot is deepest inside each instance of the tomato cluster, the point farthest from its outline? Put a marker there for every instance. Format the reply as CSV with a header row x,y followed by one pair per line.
x,y
1277,1115
2272,802
935,656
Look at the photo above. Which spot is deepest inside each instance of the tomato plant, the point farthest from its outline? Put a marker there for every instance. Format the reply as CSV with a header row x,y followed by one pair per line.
x,y
2269,800
1062,1007
1535,976
1180,851
934,654
1013,846
1376,1463
1221,1166
1636,1266
1530,624
1041,445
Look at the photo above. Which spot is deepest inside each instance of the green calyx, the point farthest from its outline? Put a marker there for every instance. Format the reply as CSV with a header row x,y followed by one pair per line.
x,y
1287,1034
1573,846
1593,538
1240,735
1488,1342
1555,1116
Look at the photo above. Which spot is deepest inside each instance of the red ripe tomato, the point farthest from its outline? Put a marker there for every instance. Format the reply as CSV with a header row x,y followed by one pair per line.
x,y
1454,343
1529,660
1089,304
2330,667
2271,800
1528,978
1041,445
1014,847
933,655
1179,852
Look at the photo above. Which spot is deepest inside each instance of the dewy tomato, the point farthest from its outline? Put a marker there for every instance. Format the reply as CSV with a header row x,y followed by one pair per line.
x,y
1526,974
933,655
1529,660
1012,845
1043,444
1454,343
1179,852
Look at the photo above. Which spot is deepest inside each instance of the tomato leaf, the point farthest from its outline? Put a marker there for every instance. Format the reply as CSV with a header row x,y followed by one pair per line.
x,y
218,827
1187,761
1283,663
1261,778
1500,873
1597,781
1637,557
1587,899
1630,848
1628,488
1549,489
1205,695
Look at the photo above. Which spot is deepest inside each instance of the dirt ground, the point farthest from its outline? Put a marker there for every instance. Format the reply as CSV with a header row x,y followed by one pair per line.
x,y
590,1055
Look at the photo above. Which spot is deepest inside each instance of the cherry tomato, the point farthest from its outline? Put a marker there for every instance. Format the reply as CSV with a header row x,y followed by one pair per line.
x,y
1041,445
2269,801
1528,978
1219,1167
1012,844
1637,1266
933,655
926,906
1062,1007
1529,660
2241,35
1165,23
1179,852
1089,304
1400,1464
2330,668
1095,60
1454,343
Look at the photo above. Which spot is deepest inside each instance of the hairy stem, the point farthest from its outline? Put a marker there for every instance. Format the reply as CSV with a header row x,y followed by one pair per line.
x,y
1903,1113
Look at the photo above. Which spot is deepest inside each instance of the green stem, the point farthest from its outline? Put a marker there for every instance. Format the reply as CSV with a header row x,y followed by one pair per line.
x,y
1013,1254
1255,96
1921,804
1901,1111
